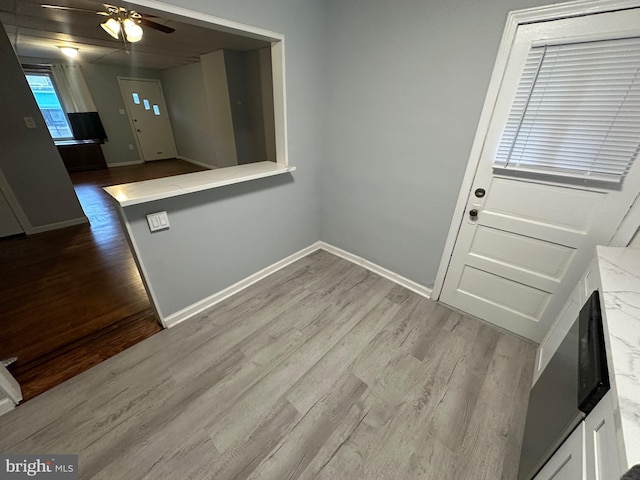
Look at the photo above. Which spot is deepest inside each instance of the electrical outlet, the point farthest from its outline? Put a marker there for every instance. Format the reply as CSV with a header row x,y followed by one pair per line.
x,y
158,221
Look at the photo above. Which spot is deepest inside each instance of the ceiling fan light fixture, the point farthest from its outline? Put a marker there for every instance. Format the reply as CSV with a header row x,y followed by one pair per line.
x,y
112,27
132,30
69,51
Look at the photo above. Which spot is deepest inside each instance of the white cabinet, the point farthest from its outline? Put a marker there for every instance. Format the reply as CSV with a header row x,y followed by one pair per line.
x,y
567,462
590,452
601,454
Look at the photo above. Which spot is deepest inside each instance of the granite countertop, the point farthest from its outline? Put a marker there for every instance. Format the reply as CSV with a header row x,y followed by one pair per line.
x,y
620,280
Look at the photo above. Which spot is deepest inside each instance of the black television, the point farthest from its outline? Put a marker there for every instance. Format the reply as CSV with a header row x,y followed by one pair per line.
x,y
87,126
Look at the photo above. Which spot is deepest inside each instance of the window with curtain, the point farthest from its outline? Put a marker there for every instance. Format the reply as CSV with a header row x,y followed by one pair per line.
x,y
49,103
66,104
576,112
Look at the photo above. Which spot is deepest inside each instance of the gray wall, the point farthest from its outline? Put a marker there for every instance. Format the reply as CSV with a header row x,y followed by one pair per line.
x,y
198,135
219,237
29,161
406,81
9,224
219,113
243,78
103,84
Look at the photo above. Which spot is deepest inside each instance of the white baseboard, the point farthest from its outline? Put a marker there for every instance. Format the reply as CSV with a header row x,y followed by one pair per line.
x,y
188,312
195,162
375,268
125,164
200,306
55,226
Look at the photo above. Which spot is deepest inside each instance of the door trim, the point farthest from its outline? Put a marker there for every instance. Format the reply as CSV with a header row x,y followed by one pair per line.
x,y
514,20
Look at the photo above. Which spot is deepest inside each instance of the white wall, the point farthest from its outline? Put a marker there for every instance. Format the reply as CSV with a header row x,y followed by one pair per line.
x,y
406,80
29,161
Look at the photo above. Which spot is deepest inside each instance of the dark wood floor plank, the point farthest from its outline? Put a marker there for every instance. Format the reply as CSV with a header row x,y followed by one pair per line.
x,y
73,288
347,376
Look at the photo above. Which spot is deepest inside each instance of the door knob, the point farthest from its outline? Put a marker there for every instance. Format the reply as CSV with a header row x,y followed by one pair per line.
x,y
473,213
480,192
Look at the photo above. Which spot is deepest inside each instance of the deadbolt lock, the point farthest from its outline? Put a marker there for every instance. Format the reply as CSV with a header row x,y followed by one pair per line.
x,y
480,192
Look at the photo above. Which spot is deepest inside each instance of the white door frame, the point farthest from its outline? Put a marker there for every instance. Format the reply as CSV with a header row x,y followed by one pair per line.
x,y
514,19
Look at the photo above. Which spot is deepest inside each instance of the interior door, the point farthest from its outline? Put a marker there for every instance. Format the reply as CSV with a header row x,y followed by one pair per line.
x,y
525,239
148,113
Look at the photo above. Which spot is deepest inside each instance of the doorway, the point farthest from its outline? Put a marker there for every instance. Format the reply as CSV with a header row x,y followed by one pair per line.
x,y
147,110
524,232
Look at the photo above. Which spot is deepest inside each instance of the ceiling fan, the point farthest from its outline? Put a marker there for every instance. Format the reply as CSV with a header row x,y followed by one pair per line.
x,y
120,22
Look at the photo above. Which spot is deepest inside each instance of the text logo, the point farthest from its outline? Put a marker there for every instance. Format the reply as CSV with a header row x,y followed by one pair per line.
x,y
50,467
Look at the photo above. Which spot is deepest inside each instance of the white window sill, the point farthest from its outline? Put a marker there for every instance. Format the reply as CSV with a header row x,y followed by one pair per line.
x,y
128,194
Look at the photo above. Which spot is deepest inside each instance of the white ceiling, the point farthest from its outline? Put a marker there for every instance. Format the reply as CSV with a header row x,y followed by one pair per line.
x,y
37,32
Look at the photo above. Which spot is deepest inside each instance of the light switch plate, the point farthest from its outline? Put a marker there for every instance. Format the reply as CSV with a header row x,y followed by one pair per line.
x,y
158,221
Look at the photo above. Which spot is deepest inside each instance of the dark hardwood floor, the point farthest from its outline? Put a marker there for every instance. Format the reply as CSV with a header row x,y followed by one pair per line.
x,y
73,297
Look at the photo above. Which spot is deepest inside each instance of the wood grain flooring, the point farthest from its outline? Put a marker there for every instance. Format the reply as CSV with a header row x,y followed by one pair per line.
x,y
323,370
73,297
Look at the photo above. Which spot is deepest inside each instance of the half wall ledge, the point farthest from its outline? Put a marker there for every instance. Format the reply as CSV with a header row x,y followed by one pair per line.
x,y
128,194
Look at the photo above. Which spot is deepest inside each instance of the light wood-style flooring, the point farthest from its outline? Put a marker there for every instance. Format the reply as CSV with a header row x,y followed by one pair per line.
x,y
73,297
323,370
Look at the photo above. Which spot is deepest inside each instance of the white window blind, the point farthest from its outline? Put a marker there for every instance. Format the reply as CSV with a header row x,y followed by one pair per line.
x,y
576,111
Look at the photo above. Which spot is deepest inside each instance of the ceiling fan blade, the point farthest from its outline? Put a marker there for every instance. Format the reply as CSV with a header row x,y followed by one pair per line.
x,y
156,26
71,9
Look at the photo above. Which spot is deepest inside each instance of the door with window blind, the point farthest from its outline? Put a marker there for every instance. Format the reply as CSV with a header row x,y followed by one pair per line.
x,y
147,111
557,172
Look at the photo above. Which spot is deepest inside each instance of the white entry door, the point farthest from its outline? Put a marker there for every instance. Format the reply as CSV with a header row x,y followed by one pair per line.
x,y
148,113
527,235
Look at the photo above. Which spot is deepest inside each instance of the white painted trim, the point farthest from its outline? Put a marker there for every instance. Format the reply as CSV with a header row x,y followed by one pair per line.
x,y
375,268
514,19
628,227
188,312
54,226
200,306
9,386
195,162
147,191
125,164
206,20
